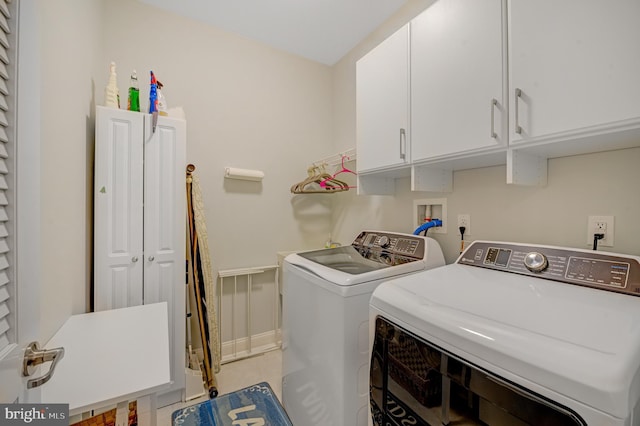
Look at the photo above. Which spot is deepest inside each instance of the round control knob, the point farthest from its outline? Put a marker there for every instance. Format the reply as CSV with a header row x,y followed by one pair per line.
x,y
536,262
384,241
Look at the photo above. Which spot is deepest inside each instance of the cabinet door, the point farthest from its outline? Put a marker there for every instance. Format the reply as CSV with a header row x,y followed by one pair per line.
x,y
576,63
164,229
118,209
382,104
456,73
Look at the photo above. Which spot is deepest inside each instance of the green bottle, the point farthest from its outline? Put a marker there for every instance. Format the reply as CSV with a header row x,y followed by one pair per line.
x,y
134,93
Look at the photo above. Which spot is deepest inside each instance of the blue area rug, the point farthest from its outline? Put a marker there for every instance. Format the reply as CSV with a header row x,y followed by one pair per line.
x,y
253,406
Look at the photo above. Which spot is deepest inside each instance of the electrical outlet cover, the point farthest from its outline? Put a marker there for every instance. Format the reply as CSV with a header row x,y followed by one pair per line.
x,y
595,224
464,220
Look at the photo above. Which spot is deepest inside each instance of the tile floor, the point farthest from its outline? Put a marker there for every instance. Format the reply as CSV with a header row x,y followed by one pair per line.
x,y
236,375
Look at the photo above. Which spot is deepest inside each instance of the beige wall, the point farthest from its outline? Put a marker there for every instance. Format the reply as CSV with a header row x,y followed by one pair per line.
x,y
247,106
579,186
60,139
595,184
250,106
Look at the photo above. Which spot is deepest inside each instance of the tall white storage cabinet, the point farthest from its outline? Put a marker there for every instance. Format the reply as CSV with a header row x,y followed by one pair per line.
x,y
140,222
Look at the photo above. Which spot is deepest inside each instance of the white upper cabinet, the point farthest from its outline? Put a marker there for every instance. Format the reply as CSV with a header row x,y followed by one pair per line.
x,y
382,98
457,104
574,69
495,82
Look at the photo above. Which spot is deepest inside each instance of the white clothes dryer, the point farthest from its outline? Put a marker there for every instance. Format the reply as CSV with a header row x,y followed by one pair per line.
x,y
510,334
326,322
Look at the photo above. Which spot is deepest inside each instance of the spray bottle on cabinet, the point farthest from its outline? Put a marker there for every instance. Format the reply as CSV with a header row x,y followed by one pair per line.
x,y
133,103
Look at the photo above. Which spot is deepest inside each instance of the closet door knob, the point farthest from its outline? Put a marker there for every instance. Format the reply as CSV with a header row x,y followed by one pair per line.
x,y
151,258
134,259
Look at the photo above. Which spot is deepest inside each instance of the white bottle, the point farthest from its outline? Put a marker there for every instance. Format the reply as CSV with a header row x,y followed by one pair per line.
x,y
111,93
162,102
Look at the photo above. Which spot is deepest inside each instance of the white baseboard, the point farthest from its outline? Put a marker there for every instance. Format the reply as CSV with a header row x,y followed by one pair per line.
x,y
260,343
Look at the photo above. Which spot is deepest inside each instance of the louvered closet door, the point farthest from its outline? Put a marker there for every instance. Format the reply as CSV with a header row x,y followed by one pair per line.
x,y
164,229
4,171
118,212
12,384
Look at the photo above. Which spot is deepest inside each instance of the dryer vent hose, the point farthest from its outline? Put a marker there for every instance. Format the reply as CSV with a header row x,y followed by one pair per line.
x,y
432,223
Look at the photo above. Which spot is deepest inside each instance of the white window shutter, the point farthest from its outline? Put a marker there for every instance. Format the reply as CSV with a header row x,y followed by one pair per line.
x,y
7,182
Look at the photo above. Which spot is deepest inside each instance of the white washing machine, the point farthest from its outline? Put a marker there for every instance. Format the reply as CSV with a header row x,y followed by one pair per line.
x,y
510,334
326,322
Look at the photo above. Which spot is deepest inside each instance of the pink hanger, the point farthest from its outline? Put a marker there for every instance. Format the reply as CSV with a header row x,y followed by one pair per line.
x,y
343,170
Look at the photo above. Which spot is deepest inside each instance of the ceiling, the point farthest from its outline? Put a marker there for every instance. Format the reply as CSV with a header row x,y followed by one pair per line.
x,y
320,30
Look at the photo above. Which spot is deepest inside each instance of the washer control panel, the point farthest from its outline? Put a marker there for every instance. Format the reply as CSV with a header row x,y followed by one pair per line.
x,y
385,244
536,261
602,270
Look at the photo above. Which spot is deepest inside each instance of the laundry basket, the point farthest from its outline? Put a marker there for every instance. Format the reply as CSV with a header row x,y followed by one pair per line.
x,y
416,368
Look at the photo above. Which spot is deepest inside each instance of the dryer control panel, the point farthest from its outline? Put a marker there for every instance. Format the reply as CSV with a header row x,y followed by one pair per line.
x,y
601,270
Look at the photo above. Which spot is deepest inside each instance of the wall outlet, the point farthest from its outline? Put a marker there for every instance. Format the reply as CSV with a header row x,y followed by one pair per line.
x,y
600,225
438,208
464,220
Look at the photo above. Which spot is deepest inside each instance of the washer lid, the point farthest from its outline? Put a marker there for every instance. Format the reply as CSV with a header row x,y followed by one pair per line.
x,y
373,256
341,267
345,259
577,341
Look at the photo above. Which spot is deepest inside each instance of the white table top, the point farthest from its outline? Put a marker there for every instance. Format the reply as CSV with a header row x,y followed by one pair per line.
x,y
110,356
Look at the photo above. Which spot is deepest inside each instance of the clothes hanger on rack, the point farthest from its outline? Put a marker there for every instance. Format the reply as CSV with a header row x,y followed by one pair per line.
x,y
342,170
313,183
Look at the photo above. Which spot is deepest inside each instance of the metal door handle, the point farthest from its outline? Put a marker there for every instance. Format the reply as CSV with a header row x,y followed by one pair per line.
x,y
34,356
151,258
403,144
518,127
494,102
134,259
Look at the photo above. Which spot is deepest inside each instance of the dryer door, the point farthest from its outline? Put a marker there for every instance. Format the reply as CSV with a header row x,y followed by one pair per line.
x,y
414,382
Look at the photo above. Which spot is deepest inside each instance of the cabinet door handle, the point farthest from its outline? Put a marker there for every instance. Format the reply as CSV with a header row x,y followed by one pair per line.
x,y
494,102
134,259
403,144
518,127
151,258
